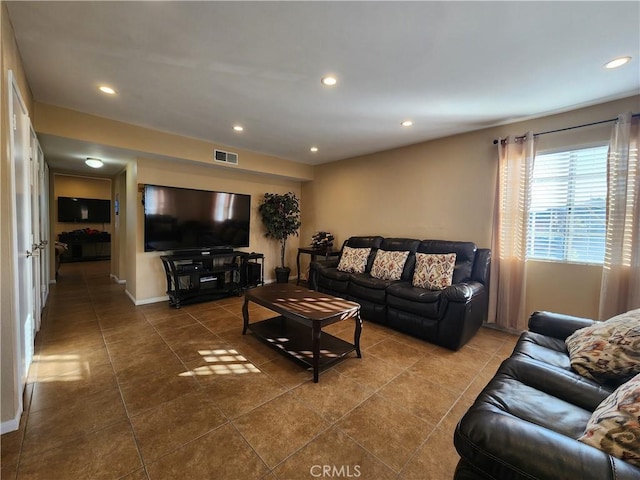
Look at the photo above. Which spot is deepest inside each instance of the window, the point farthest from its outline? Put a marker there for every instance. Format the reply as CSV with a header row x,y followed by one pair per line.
x,y
567,210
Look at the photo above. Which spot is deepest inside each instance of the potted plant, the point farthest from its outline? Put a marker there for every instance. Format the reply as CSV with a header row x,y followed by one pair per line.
x,y
281,217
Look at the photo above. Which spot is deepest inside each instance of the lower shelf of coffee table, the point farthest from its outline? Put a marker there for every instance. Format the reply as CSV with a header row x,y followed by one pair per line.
x,y
293,339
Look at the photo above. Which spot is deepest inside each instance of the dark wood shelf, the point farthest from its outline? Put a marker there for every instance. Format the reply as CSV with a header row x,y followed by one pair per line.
x,y
293,339
205,276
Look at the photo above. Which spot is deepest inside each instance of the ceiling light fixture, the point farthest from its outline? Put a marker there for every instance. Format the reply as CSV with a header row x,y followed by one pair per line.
x,y
313,149
329,80
238,128
107,90
617,62
94,162
407,123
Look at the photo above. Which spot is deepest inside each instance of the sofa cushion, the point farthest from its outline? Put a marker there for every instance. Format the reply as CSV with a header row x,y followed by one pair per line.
x,y
419,301
465,256
607,350
363,286
434,270
614,426
354,260
388,265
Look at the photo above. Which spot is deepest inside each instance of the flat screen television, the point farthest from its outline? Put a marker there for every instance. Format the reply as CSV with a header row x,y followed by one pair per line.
x,y
83,210
178,219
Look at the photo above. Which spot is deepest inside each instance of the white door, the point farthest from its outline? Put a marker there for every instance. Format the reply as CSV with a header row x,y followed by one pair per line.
x,y
36,242
45,244
22,236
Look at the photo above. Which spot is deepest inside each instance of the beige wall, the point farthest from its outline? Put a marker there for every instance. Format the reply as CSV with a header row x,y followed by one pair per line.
x,y
150,278
444,189
9,60
82,187
66,123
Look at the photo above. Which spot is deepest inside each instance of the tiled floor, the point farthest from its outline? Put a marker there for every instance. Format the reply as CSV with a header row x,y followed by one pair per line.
x,y
150,392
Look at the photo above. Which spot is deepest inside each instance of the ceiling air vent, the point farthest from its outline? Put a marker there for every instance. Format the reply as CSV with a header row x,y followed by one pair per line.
x,y
226,157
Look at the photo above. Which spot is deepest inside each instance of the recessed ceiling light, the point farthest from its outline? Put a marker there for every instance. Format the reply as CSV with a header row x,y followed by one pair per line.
x,y
329,80
313,149
107,90
407,123
238,128
94,162
617,62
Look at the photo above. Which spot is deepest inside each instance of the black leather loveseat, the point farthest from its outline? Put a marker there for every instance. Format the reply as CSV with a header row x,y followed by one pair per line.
x,y
526,422
448,317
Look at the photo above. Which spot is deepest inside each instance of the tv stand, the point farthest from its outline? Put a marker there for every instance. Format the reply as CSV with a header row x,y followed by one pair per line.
x,y
199,276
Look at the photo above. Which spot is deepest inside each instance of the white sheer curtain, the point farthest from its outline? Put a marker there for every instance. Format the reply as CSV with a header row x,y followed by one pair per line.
x,y
620,288
509,239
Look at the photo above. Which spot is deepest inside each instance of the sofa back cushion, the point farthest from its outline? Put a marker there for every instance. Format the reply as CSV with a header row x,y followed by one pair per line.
x,y
465,256
403,245
372,242
434,271
353,260
388,265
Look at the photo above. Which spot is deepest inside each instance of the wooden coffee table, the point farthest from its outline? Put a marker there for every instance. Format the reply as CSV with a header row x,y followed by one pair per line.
x,y
297,331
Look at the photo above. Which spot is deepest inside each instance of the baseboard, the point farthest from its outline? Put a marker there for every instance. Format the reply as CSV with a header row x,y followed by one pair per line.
x,y
147,301
10,425
117,280
52,282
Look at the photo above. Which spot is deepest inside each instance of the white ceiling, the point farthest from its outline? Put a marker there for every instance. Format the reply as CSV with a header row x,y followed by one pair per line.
x,y
198,68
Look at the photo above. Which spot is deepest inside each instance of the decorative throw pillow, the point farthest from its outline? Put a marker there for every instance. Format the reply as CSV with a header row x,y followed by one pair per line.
x,y
608,350
434,270
388,265
614,426
354,260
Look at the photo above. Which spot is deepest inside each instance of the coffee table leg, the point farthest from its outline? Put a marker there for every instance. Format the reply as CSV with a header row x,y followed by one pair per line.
x,y
316,331
357,334
245,315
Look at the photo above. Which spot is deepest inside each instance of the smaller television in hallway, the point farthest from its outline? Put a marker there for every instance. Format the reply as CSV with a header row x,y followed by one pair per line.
x,y
83,210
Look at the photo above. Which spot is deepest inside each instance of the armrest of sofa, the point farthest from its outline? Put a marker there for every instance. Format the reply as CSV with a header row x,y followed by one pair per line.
x,y
316,266
557,325
462,292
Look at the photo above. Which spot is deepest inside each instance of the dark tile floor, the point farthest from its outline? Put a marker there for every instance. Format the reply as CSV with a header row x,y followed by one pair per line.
x,y
124,392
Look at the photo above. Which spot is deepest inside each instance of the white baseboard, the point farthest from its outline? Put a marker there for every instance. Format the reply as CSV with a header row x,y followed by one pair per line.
x,y
147,301
10,425
52,282
117,280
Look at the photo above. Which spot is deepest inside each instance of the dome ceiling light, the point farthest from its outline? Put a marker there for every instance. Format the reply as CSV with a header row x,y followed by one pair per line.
x,y
617,62
94,162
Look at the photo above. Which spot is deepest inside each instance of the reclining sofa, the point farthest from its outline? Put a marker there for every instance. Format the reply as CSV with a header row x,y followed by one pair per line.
x,y
526,422
448,317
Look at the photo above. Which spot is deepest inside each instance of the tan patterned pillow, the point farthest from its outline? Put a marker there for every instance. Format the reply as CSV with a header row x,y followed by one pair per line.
x,y
388,265
608,350
354,260
434,270
614,426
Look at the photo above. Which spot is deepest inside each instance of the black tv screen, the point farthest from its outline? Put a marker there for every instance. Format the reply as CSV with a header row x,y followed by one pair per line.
x,y
187,219
83,210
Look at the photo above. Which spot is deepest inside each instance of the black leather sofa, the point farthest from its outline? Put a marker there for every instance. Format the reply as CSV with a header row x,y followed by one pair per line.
x,y
526,421
448,317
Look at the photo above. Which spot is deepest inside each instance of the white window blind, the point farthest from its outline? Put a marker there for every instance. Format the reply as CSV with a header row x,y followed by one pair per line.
x,y
567,210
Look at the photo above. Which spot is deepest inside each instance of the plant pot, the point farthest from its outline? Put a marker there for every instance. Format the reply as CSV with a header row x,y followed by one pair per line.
x,y
282,274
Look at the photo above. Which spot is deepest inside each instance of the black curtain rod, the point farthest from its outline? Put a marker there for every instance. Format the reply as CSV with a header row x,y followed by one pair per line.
x,y
495,141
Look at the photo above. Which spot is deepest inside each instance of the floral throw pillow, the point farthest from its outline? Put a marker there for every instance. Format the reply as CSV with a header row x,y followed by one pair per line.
x,y
354,260
434,270
608,350
614,426
388,265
